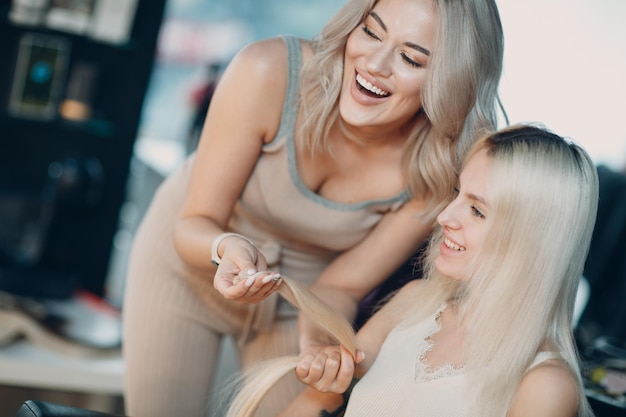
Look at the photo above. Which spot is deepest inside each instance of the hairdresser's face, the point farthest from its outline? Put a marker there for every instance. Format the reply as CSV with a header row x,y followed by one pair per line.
x,y
386,62
464,220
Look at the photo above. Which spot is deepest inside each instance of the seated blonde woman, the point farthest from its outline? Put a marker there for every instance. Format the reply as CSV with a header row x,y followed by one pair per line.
x,y
488,331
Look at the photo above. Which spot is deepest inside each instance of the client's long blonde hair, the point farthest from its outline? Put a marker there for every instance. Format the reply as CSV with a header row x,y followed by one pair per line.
x,y
261,378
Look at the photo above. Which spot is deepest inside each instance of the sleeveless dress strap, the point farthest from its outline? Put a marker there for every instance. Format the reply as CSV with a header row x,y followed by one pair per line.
x,y
289,115
542,357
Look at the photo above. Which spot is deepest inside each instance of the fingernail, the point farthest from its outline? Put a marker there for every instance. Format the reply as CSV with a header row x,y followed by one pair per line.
x,y
251,271
250,281
271,277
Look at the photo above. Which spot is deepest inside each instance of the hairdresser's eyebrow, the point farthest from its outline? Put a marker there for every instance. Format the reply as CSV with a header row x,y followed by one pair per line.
x,y
409,44
418,48
379,20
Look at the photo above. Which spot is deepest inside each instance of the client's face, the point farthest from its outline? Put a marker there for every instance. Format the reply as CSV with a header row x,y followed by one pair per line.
x,y
464,220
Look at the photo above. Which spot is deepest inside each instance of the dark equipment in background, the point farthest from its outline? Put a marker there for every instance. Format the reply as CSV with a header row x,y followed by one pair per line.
x,y
73,76
605,267
601,330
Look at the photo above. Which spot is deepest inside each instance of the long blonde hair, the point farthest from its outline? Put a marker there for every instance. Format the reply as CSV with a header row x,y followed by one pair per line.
x,y
460,97
544,194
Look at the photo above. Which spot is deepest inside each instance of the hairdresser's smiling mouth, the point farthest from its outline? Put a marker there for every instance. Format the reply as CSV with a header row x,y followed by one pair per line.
x,y
369,89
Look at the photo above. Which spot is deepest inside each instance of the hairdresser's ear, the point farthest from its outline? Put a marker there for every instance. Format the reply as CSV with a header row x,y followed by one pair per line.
x,y
360,356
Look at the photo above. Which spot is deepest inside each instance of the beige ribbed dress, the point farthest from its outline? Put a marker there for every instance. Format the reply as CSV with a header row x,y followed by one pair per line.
x,y
173,317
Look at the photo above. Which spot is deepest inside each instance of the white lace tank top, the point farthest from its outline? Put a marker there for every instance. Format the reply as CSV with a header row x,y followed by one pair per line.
x,y
400,382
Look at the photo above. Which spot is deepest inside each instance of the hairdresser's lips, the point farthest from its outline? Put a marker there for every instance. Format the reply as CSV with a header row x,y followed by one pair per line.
x,y
367,91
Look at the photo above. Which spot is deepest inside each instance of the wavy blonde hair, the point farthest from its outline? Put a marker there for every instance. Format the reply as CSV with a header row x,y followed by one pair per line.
x,y
544,193
460,97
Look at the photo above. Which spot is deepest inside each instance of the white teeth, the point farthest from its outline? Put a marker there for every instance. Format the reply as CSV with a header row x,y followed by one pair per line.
x,y
452,245
368,86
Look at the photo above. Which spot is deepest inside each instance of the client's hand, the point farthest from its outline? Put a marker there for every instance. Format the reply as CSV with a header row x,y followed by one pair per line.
x,y
327,368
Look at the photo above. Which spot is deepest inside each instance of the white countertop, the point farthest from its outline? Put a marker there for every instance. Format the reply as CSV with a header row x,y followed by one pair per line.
x,y
26,365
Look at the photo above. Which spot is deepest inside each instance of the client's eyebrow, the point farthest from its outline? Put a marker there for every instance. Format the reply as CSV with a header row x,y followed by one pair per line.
x,y
409,44
475,197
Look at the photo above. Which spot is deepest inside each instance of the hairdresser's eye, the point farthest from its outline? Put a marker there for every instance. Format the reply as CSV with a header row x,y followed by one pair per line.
x,y
456,191
477,213
410,61
370,33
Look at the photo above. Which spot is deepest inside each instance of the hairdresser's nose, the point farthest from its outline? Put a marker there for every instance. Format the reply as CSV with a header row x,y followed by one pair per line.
x,y
379,60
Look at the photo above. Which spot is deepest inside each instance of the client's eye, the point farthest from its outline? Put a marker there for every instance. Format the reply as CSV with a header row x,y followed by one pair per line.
x,y
477,213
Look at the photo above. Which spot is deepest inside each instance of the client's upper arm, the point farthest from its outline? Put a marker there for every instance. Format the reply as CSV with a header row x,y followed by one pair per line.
x,y
371,336
548,390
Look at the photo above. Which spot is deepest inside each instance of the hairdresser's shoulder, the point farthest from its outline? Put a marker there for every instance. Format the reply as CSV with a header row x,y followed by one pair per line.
x,y
268,54
548,389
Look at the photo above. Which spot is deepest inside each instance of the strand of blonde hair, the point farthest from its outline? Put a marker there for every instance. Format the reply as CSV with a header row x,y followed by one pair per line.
x,y
261,378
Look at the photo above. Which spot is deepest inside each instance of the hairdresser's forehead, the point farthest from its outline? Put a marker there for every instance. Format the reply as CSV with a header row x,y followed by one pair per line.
x,y
412,20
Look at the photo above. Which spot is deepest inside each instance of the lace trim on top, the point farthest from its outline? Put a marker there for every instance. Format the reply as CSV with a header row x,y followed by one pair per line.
x,y
423,371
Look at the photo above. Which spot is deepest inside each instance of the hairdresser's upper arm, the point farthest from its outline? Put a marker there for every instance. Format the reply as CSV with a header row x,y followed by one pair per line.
x,y
548,390
361,269
371,336
244,113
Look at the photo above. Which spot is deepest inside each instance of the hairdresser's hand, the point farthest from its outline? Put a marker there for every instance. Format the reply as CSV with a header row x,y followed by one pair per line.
x,y
242,275
327,368
251,287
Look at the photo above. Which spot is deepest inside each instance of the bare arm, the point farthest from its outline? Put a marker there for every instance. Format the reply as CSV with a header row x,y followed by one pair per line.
x,y
548,390
358,271
333,369
325,392
244,114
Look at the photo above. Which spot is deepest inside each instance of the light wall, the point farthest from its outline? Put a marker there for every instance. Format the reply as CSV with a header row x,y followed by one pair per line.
x,y
565,65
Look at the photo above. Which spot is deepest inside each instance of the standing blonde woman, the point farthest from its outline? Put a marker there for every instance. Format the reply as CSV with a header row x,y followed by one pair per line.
x,y
324,161
488,332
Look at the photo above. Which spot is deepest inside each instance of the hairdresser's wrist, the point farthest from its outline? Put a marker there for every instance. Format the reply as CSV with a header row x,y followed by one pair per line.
x,y
216,258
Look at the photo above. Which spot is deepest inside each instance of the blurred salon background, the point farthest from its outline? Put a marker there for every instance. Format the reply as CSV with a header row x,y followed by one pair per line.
x,y
101,99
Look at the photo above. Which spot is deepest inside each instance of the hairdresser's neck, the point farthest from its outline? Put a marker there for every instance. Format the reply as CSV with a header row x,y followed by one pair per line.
x,y
371,136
